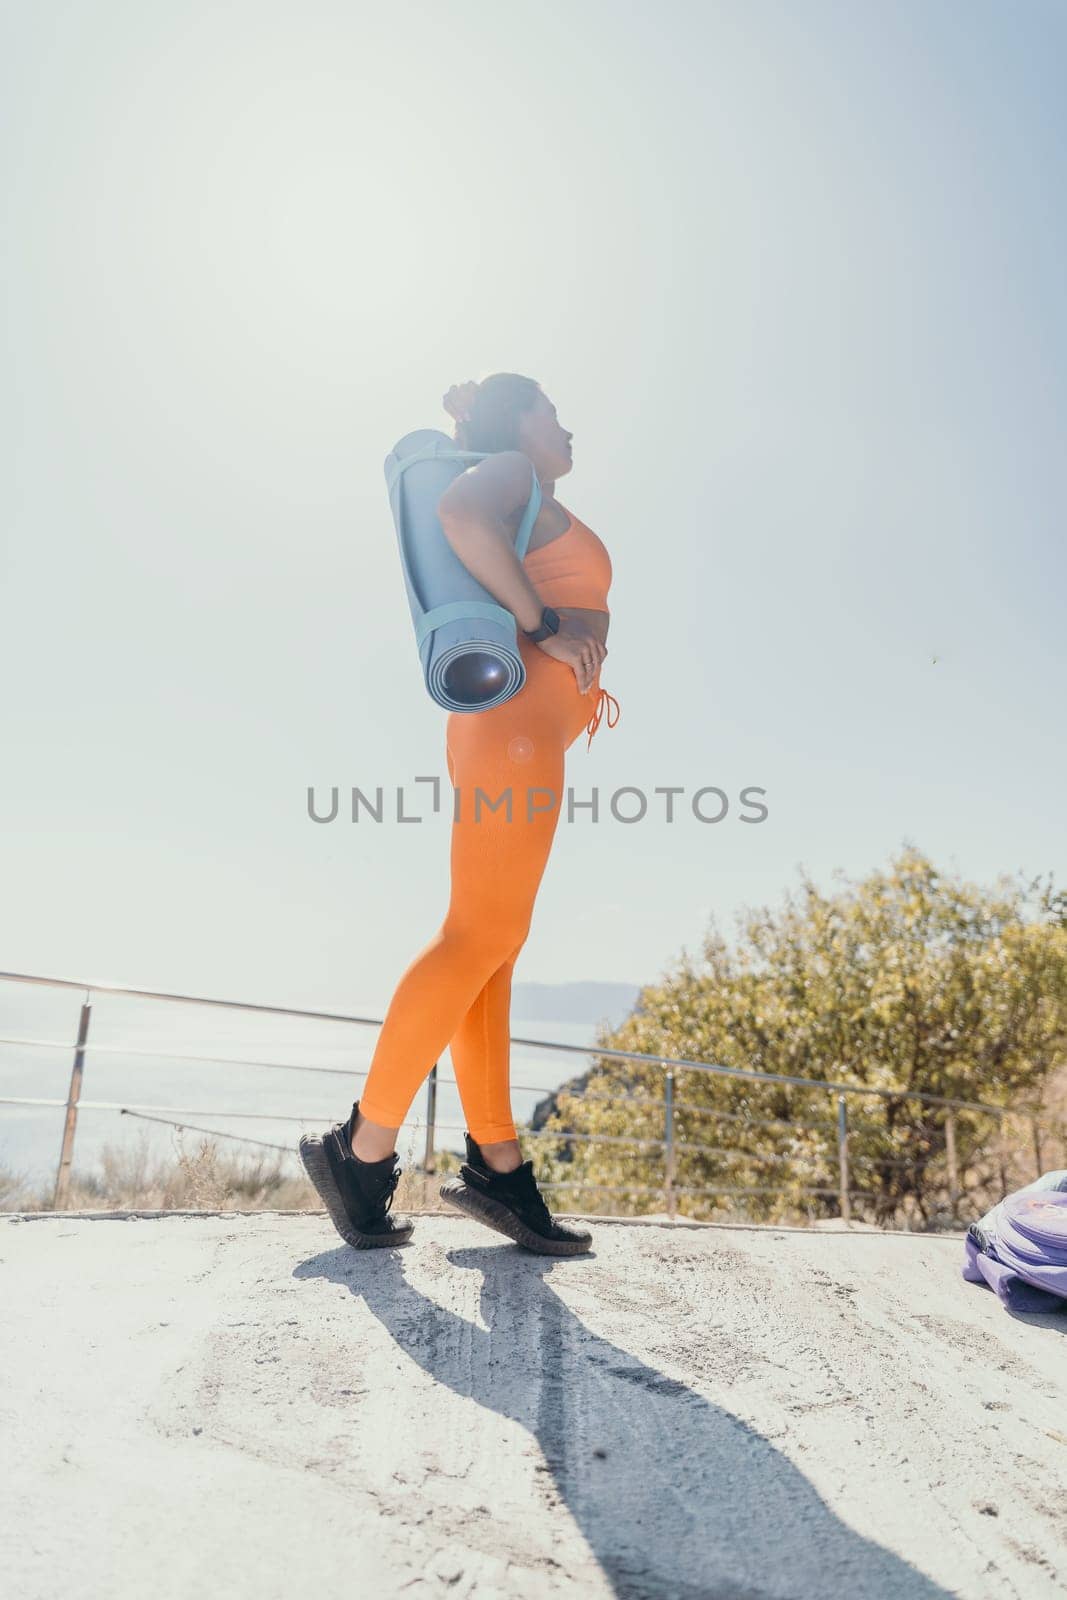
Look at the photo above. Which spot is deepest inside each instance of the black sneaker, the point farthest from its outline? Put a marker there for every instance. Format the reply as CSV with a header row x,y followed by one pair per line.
x,y
511,1203
357,1194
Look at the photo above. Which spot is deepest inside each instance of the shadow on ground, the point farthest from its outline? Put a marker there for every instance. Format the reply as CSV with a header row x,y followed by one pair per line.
x,y
677,1498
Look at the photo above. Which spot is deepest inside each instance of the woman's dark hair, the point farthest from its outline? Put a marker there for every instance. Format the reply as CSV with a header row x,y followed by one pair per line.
x,y
491,411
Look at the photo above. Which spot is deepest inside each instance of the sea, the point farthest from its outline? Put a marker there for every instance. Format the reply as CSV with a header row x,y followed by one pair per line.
x,y
158,1074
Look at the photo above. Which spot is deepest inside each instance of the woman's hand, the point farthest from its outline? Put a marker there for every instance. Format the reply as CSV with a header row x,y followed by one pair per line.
x,y
578,646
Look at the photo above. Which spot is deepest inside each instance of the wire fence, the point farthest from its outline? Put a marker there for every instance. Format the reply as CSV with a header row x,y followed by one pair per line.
x,y
851,1158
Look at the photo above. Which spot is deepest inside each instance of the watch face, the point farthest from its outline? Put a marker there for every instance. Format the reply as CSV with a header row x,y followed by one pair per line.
x,y
549,623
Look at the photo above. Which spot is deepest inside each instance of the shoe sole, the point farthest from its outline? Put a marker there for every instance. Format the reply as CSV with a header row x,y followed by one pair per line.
x,y
318,1169
497,1216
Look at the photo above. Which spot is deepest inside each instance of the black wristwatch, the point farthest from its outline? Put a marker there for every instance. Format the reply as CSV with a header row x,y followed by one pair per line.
x,y
549,624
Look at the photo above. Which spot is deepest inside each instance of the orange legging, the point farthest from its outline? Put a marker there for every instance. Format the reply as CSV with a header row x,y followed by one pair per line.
x,y
457,990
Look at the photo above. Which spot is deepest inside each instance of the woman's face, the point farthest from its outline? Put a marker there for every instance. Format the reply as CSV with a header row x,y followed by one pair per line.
x,y
547,444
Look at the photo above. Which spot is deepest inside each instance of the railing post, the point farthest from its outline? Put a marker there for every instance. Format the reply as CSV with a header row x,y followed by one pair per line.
x,y
431,1118
842,1160
70,1124
950,1157
668,1154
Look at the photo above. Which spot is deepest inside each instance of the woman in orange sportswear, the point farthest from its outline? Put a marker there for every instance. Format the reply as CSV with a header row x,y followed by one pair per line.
x,y
506,764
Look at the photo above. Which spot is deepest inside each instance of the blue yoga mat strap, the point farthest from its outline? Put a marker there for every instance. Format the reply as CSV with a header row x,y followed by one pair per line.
x,y
438,450
529,517
461,611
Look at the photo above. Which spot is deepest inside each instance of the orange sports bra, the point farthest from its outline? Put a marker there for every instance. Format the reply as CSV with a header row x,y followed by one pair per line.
x,y
574,569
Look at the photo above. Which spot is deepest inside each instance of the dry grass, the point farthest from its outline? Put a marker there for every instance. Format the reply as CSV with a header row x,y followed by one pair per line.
x,y
202,1175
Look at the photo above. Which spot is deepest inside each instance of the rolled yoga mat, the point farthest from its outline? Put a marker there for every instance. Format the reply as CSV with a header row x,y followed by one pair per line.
x,y
467,641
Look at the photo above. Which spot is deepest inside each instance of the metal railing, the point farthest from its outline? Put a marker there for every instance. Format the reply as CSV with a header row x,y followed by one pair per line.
x,y
670,1145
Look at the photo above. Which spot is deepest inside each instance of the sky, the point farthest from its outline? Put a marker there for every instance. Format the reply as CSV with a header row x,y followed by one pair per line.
x,y
791,273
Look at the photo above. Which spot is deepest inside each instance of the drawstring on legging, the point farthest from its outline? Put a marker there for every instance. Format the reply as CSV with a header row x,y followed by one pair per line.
x,y
594,721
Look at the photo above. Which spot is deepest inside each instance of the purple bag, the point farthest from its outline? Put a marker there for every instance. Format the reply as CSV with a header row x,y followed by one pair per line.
x,y
1019,1248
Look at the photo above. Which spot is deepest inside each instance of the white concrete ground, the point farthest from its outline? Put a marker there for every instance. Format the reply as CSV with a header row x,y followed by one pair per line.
x,y
242,1406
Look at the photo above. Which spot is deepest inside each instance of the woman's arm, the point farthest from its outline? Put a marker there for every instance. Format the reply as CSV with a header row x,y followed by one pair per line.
x,y
474,511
